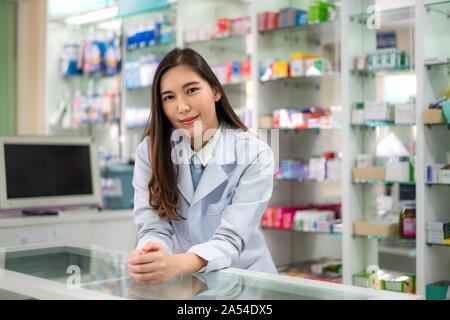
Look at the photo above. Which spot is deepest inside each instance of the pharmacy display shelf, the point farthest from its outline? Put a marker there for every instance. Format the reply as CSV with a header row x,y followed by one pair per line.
x,y
231,37
373,72
383,238
307,129
438,244
430,66
159,50
310,180
430,184
401,13
439,6
336,234
374,124
316,28
318,76
437,125
383,182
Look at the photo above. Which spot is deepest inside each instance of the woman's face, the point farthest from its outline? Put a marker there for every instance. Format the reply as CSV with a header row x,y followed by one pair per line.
x,y
189,102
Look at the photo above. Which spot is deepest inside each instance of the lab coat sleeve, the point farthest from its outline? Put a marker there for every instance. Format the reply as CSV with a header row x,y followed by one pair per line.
x,y
240,218
150,227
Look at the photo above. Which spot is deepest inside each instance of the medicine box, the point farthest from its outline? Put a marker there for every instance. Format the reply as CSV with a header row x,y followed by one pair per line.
x,y
397,171
444,176
369,173
378,111
433,116
280,69
368,228
405,113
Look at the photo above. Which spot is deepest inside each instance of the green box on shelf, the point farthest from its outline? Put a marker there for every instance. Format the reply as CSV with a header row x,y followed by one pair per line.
x,y
367,280
318,11
439,290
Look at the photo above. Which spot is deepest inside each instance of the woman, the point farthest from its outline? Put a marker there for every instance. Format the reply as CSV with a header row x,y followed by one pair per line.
x,y
202,181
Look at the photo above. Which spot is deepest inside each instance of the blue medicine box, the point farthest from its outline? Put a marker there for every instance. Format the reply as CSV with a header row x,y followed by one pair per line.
x,y
116,185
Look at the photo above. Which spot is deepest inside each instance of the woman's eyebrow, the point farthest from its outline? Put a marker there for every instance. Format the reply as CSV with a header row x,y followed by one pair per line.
x,y
184,86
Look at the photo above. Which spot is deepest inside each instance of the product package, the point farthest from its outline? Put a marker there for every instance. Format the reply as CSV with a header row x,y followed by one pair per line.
x,y
405,113
439,290
386,280
319,11
369,173
377,229
378,111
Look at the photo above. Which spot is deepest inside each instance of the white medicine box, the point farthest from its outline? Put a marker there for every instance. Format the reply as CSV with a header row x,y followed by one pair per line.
x,y
378,111
405,113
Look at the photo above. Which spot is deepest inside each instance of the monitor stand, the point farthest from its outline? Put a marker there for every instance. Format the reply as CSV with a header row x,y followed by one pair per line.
x,y
39,212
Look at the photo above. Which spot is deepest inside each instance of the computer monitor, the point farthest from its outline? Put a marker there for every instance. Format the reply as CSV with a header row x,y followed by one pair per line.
x,y
48,172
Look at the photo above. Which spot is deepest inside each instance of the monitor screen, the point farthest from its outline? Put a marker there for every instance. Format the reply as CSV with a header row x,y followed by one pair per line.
x,y
47,170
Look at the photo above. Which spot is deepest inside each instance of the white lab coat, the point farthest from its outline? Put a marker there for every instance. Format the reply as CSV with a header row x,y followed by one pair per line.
x,y
223,214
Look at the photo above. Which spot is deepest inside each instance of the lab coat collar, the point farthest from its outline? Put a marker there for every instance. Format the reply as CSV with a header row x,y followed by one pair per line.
x,y
213,174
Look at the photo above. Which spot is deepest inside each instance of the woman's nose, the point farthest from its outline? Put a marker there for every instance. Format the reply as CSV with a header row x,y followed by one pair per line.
x,y
183,106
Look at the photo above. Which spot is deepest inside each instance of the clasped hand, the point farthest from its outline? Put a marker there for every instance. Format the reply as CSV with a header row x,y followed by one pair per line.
x,y
153,264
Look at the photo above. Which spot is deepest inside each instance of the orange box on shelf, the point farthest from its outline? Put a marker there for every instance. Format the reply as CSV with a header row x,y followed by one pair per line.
x,y
369,173
367,228
433,116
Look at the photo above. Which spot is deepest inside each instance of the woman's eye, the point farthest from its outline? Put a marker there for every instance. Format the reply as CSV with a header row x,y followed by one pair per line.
x,y
192,90
167,98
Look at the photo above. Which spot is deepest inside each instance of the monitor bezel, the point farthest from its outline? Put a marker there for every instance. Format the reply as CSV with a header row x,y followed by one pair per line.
x,y
52,202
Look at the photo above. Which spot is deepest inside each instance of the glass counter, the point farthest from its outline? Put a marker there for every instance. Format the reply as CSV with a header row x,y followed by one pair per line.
x,y
68,271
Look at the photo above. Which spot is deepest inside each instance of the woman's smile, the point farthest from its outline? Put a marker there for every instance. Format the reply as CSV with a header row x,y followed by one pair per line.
x,y
189,121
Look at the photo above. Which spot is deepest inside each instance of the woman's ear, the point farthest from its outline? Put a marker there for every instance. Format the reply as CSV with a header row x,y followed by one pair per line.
x,y
217,94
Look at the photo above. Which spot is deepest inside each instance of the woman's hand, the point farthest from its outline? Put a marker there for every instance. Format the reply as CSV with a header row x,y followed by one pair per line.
x,y
153,264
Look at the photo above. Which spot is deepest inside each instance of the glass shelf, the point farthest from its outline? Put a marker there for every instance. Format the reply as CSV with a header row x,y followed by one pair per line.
x,y
383,182
309,129
437,184
373,72
384,238
325,74
430,125
438,244
439,6
437,65
402,13
299,27
231,36
337,234
300,180
373,124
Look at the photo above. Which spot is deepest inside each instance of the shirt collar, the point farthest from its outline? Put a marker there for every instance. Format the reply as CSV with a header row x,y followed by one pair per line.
x,y
207,151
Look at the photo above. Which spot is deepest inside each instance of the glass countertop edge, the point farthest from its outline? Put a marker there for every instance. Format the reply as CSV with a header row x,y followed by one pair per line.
x,y
44,289
323,285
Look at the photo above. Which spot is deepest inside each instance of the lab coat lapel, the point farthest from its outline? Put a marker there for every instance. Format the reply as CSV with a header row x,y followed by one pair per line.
x,y
184,177
185,182
214,174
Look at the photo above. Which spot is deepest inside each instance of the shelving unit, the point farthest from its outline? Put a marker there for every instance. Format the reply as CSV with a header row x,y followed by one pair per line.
x,y
421,25
433,201
359,37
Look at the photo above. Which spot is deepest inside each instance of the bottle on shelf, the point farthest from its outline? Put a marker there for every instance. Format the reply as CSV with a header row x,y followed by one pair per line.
x,y
407,223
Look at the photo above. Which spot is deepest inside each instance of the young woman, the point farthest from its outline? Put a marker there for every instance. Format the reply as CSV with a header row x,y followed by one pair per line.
x,y
201,180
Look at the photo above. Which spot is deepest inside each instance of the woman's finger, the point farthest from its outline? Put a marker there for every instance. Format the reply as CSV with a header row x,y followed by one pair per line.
x,y
145,258
143,268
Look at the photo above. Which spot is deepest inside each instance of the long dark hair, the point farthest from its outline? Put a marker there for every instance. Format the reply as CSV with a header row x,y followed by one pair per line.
x,y
163,190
